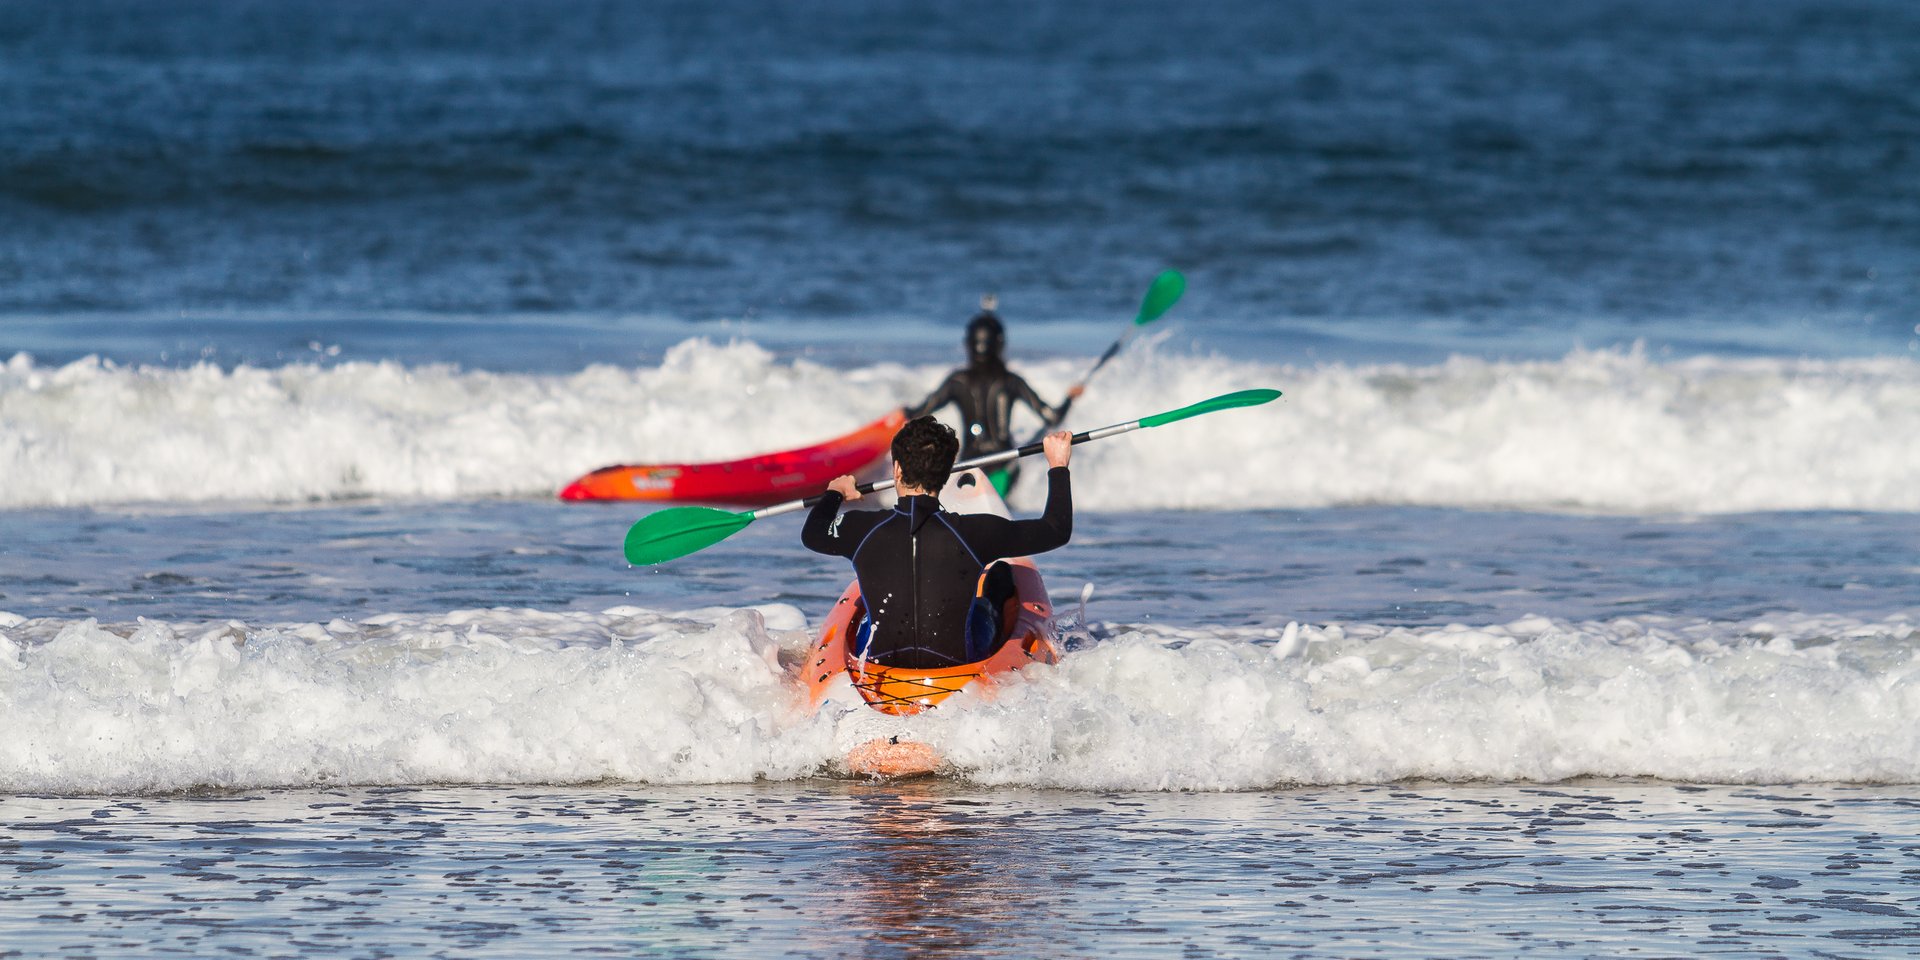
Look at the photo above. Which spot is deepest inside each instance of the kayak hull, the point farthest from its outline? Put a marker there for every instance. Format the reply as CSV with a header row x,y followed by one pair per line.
x,y
750,481
893,758
899,691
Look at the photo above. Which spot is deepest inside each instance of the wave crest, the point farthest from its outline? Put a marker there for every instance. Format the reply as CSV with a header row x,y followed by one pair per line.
x,y
525,696
1605,431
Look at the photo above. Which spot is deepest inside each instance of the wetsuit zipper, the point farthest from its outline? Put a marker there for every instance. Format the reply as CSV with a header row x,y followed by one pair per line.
x,y
913,567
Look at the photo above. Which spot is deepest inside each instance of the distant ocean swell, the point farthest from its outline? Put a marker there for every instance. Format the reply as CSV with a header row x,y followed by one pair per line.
x,y
1604,431
522,696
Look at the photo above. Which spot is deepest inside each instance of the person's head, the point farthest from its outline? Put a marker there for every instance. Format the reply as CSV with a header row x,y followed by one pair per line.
x,y
986,338
924,450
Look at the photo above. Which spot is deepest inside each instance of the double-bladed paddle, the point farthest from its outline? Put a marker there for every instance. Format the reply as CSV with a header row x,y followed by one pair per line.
x,y
677,531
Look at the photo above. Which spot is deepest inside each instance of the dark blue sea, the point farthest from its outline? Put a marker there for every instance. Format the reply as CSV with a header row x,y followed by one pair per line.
x,y
1566,604
523,185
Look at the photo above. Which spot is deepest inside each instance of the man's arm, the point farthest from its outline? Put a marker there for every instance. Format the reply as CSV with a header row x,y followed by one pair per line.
x,y
1051,530
821,534
942,395
1024,392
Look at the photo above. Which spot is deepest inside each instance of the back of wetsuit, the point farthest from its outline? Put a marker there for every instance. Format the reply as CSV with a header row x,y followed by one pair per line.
x,y
918,565
985,396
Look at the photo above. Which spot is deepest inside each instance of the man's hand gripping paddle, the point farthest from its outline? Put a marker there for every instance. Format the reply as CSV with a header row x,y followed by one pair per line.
x,y
677,531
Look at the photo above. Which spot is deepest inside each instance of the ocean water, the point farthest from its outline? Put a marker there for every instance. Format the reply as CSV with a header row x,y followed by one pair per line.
x,y
1410,869
1567,604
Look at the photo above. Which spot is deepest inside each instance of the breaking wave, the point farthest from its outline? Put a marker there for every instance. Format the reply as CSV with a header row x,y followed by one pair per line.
x,y
1599,431
631,694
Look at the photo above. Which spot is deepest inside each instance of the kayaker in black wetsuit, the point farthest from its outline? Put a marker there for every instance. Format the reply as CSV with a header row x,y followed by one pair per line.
x,y
985,391
918,565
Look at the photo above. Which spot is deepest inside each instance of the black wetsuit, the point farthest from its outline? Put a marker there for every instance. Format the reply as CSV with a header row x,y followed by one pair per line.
x,y
985,393
918,566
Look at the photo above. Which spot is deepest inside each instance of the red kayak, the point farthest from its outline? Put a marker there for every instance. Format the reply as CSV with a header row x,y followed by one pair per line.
x,y
753,481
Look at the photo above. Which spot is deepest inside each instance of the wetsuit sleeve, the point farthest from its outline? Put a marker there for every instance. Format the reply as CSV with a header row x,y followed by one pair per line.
x,y
821,534
940,397
1022,391
1020,538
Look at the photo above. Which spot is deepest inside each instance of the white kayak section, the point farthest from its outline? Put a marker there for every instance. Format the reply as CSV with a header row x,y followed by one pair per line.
x,y
970,492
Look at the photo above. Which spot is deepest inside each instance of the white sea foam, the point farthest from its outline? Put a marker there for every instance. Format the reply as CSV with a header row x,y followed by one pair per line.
x,y
523,696
1606,431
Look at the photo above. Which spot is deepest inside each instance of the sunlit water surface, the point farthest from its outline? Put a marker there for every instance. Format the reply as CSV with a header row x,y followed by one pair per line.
x,y
828,869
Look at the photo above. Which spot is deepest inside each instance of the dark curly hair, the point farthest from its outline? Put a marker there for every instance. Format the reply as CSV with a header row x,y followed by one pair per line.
x,y
925,449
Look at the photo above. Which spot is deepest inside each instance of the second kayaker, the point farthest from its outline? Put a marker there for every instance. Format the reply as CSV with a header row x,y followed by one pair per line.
x,y
985,390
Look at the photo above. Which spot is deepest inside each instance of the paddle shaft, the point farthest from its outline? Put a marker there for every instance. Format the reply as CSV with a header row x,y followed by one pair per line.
x,y
985,460
1060,413
1161,296
677,531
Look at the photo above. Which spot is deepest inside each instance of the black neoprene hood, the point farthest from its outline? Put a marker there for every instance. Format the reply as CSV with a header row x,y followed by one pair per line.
x,y
986,338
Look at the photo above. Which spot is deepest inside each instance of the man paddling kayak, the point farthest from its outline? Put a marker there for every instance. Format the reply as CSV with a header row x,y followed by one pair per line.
x,y
985,390
918,565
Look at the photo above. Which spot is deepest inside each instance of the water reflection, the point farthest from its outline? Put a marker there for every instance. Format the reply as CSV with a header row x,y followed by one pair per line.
x,y
935,876
940,869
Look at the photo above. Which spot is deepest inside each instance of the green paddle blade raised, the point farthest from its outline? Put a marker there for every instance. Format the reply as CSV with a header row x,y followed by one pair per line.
x,y
1164,292
677,531
1244,398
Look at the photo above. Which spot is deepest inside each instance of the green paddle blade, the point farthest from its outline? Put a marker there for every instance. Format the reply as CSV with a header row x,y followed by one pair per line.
x,y
1244,398
677,531
1161,296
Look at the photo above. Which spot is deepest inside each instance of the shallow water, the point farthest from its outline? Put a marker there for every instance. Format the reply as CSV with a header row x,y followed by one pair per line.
x,y
824,869
1386,565
1597,328
167,649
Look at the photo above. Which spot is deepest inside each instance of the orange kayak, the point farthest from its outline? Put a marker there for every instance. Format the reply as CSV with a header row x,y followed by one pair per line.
x,y
1026,625
752,481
